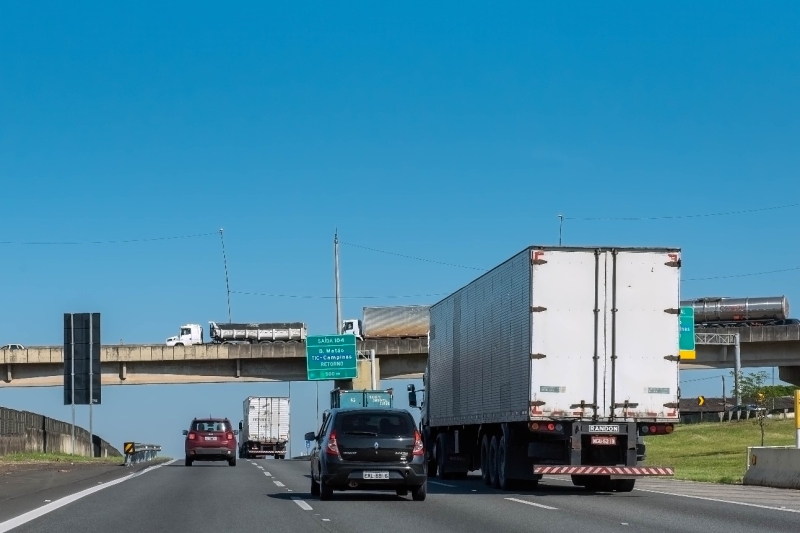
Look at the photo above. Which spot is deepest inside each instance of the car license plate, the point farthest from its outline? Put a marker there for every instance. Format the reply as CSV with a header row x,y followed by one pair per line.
x,y
211,438
376,475
602,440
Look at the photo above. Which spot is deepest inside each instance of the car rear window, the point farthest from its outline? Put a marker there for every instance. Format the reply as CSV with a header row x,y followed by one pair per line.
x,y
210,425
380,424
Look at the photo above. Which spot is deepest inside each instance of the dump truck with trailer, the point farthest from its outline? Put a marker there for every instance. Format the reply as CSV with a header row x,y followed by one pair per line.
x,y
241,333
556,362
264,429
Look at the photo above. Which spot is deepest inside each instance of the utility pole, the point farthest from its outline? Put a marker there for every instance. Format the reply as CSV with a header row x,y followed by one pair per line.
x,y
336,273
227,284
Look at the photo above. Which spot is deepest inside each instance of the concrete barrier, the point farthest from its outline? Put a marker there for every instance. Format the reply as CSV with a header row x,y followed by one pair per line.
x,y
26,432
773,466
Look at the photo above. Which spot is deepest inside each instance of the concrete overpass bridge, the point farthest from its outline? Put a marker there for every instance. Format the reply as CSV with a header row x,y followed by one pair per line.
x,y
397,358
141,364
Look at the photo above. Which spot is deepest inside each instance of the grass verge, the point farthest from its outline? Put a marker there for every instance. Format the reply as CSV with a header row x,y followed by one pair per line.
x,y
715,452
57,458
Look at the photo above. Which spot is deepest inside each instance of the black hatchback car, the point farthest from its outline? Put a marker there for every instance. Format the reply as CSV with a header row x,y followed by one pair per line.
x,y
368,449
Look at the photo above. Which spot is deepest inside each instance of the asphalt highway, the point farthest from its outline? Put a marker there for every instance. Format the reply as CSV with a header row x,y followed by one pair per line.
x,y
270,495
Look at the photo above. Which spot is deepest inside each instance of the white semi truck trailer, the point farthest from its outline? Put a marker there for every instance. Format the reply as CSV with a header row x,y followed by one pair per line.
x,y
556,362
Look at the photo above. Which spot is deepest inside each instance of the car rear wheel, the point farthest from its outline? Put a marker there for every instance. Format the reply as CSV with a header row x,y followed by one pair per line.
x,y
325,491
314,486
418,494
232,461
188,461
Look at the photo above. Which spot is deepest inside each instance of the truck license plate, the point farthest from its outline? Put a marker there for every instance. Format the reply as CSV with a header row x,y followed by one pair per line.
x,y
602,440
211,438
376,475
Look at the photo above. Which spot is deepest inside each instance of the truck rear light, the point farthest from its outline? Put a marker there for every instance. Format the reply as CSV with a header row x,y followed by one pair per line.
x,y
418,446
333,447
669,428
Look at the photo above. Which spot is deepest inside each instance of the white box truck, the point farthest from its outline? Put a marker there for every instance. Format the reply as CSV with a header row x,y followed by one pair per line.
x,y
558,361
264,429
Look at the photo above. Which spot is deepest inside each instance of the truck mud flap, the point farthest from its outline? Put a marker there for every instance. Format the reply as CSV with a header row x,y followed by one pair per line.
x,y
621,471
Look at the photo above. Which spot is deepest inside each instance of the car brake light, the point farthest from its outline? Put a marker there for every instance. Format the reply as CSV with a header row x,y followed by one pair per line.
x,y
229,435
332,448
192,436
418,446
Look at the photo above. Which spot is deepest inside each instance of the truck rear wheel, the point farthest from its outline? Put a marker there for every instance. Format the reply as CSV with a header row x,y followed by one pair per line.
x,y
624,485
493,481
487,480
503,483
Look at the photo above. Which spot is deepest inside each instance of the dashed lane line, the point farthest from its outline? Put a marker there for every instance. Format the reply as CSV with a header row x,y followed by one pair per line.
x,y
278,483
303,505
526,502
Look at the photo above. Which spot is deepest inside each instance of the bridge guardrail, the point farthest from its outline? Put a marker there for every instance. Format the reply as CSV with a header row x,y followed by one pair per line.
x,y
137,452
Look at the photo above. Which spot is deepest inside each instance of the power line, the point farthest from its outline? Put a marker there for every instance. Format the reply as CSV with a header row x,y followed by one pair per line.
x,y
702,379
745,275
410,256
332,297
125,241
700,215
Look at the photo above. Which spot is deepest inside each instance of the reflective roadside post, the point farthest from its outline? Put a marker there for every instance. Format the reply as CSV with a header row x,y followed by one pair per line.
x,y
797,417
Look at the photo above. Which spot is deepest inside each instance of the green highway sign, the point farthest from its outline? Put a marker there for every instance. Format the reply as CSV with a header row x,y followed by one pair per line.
x,y
686,338
331,357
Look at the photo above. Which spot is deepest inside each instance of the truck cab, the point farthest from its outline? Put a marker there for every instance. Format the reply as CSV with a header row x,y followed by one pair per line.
x,y
353,326
190,334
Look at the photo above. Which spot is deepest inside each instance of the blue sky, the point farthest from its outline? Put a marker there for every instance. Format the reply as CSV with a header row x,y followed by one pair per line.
x,y
455,132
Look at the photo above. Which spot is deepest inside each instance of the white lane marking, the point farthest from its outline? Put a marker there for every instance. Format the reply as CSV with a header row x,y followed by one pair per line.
x,y
326,519
278,483
267,474
260,467
15,522
303,505
717,500
526,502
442,484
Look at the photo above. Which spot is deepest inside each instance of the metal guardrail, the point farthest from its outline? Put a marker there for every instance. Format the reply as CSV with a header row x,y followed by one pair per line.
x,y
136,452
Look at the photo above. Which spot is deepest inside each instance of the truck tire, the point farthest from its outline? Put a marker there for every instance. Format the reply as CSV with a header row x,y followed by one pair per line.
x,y
493,481
440,453
487,480
624,485
503,483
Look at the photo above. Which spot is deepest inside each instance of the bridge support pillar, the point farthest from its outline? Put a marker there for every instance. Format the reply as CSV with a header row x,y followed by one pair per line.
x,y
123,371
8,372
790,374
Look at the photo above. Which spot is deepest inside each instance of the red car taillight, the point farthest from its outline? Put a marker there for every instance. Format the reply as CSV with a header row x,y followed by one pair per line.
x,y
192,436
418,446
229,435
332,448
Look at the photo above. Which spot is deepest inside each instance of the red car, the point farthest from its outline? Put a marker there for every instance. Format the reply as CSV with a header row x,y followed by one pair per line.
x,y
210,439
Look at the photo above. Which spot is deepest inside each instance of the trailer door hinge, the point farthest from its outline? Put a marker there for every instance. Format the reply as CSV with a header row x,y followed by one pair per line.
x,y
672,357
583,405
538,309
675,264
537,403
671,405
673,311
538,356
626,405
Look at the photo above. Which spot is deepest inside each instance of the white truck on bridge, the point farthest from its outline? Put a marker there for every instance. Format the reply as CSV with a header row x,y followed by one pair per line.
x,y
252,333
264,428
558,361
396,321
